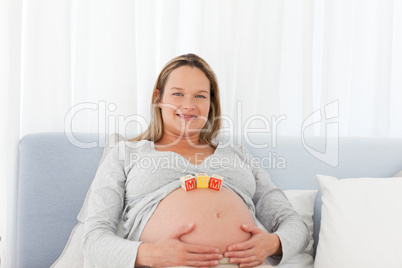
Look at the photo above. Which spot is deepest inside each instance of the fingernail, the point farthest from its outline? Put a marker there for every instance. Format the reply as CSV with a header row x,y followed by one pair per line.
x,y
229,248
227,255
220,256
232,260
217,250
216,262
190,225
245,225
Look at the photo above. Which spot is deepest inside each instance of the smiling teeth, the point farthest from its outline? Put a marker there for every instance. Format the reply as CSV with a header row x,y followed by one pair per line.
x,y
187,116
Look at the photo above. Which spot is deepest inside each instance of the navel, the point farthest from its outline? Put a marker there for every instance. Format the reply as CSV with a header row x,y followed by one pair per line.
x,y
217,214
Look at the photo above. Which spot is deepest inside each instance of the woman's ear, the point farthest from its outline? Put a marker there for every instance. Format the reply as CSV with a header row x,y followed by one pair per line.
x,y
156,95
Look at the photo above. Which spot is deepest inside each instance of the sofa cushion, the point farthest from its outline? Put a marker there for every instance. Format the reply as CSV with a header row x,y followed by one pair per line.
x,y
303,202
361,221
54,176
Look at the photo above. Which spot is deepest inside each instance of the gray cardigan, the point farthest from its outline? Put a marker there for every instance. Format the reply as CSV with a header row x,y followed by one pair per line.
x,y
134,178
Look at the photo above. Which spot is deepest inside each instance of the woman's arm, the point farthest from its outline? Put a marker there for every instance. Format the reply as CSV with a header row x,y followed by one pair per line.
x,y
101,246
255,250
287,233
277,215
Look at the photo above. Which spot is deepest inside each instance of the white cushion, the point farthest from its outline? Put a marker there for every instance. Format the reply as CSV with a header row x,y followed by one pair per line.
x,y
303,202
72,253
361,223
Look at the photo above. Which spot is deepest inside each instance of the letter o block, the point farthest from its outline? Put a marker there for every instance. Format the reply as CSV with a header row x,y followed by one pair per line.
x,y
188,182
202,180
215,182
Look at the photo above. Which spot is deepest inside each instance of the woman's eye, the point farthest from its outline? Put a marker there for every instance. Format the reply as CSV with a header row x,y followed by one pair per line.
x,y
177,94
200,96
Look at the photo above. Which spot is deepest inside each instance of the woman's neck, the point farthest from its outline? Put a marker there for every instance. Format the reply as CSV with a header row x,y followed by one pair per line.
x,y
186,142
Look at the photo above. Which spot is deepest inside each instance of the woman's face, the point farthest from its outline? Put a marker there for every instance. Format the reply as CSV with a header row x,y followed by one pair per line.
x,y
186,101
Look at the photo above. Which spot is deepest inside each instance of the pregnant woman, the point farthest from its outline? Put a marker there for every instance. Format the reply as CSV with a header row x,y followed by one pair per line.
x,y
138,215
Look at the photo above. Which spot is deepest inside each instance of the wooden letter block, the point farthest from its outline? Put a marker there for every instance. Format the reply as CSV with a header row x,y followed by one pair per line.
x,y
215,182
188,182
202,180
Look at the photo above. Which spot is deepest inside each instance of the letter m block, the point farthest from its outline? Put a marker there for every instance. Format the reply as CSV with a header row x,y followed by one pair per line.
x,y
188,182
215,182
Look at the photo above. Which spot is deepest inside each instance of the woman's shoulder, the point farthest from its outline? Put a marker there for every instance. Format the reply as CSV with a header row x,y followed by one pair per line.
x,y
116,140
136,146
118,143
233,147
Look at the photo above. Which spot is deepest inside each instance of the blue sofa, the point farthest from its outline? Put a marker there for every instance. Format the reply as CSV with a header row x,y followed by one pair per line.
x,y
54,176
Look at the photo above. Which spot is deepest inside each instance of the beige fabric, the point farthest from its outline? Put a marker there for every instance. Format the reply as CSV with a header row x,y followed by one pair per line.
x,y
224,263
72,253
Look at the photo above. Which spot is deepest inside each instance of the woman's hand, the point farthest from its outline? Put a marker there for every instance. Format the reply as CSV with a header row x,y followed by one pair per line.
x,y
172,252
255,250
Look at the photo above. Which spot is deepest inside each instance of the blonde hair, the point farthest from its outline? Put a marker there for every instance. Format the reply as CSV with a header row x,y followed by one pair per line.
x,y
154,132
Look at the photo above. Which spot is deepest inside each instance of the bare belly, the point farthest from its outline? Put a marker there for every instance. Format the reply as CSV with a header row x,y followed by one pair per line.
x,y
217,216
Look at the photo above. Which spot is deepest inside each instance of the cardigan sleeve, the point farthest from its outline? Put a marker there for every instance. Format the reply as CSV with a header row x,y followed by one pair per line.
x,y
100,244
274,211
277,215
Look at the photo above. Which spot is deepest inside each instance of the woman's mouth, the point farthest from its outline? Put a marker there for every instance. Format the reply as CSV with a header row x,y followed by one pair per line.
x,y
187,116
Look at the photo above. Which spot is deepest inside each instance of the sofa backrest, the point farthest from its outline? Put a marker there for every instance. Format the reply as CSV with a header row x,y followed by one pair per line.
x,y
54,176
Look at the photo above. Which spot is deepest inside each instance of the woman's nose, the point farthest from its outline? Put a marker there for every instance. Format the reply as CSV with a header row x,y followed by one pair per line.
x,y
188,104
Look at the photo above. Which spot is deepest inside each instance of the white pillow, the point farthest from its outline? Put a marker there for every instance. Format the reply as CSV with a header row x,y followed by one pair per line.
x,y
361,223
303,202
